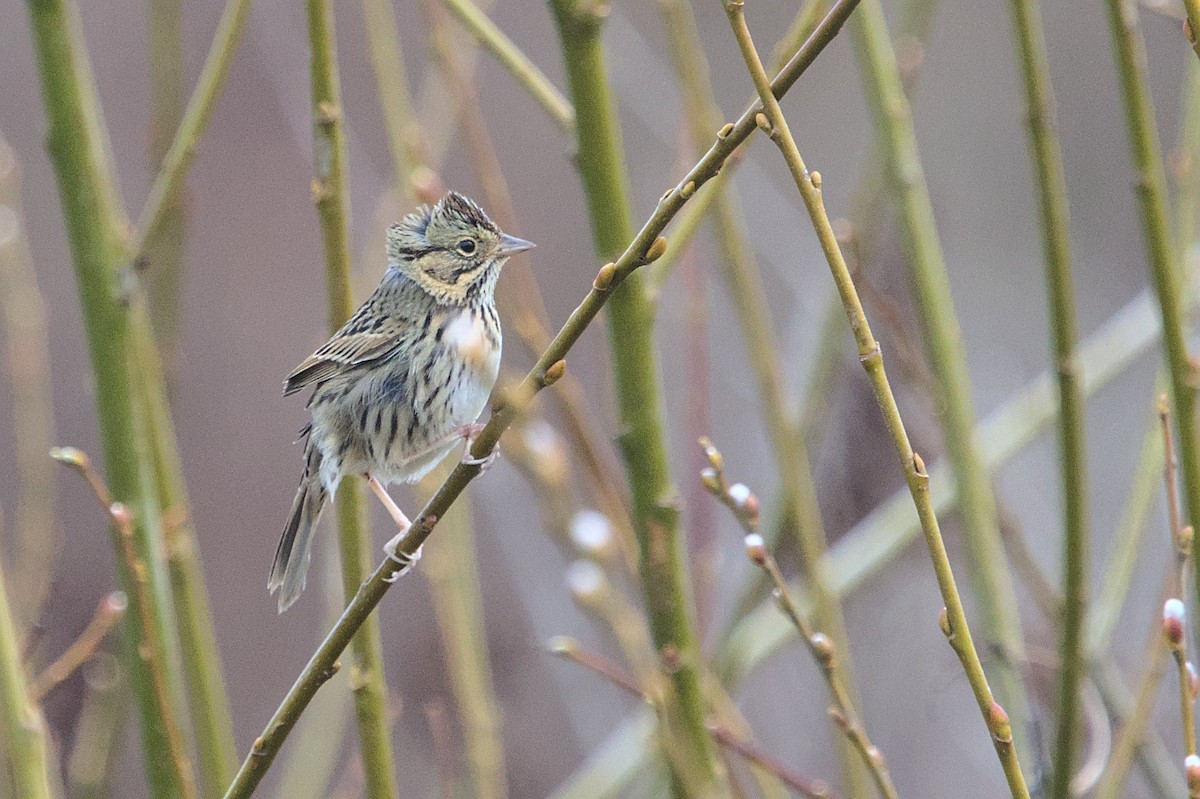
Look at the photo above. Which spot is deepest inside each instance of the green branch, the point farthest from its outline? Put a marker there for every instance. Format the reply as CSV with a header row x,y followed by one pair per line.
x,y
330,192
78,146
519,65
195,120
1052,201
1000,621
601,162
645,247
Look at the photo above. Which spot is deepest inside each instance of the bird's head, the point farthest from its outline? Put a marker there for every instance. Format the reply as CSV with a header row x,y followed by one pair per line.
x,y
452,250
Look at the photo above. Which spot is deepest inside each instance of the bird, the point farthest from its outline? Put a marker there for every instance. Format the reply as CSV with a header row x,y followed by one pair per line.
x,y
405,378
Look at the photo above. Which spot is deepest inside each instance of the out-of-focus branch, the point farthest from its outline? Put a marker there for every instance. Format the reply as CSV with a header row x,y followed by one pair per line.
x,y
108,612
196,117
452,570
1052,203
27,762
27,356
333,211
97,231
519,65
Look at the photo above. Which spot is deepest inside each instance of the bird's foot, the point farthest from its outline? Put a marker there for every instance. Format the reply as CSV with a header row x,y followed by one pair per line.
x,y
469,432
406,561
393,509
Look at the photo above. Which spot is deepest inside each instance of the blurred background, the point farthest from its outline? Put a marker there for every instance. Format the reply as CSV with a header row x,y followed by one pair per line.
x,y
252,305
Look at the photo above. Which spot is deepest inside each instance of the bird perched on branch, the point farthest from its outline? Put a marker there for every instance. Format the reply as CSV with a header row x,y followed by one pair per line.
x,y
405,378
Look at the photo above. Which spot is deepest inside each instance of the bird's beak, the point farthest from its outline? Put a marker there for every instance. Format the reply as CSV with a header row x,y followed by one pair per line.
x,y
511,245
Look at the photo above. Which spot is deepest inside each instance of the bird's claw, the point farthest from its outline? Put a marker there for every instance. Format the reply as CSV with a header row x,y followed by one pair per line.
x,y
406,561
469,433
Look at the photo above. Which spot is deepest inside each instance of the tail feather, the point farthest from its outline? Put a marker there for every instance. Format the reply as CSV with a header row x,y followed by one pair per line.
x,y
294,552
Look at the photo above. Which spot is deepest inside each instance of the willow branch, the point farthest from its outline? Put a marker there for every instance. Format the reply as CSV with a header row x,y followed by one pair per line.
x,y
809,186
150,652
1052,203
999,620
330,193
110,611
195,120
550,365
744,506
519,65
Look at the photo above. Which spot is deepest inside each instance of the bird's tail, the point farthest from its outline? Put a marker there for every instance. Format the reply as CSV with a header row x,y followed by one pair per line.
x,y
295,546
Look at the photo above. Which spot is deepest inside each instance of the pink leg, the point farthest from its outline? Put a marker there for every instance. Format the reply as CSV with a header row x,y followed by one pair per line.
x,y
391,547
392,508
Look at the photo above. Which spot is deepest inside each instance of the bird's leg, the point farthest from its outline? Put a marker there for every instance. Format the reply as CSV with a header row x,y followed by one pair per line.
x,y
469,432
391,547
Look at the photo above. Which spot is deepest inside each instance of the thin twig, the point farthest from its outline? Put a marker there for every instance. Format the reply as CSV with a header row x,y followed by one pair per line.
x,y
570,649
955,625
153,656
110,610
195,120
1174,611
745,507
549,365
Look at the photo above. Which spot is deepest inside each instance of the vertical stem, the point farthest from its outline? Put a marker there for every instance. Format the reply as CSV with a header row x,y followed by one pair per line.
x,y
955,624
1052,203
21,723
1150,184
95,228
332,200
631,333
999,620
453,574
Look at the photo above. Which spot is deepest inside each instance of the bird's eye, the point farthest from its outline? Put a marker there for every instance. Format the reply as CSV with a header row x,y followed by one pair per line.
x,y
466,246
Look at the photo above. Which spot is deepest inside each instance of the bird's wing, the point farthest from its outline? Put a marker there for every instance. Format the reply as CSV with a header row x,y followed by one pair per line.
x,y
365,337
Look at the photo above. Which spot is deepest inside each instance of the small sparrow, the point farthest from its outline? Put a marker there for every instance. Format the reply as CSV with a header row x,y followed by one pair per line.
x,y
406,377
